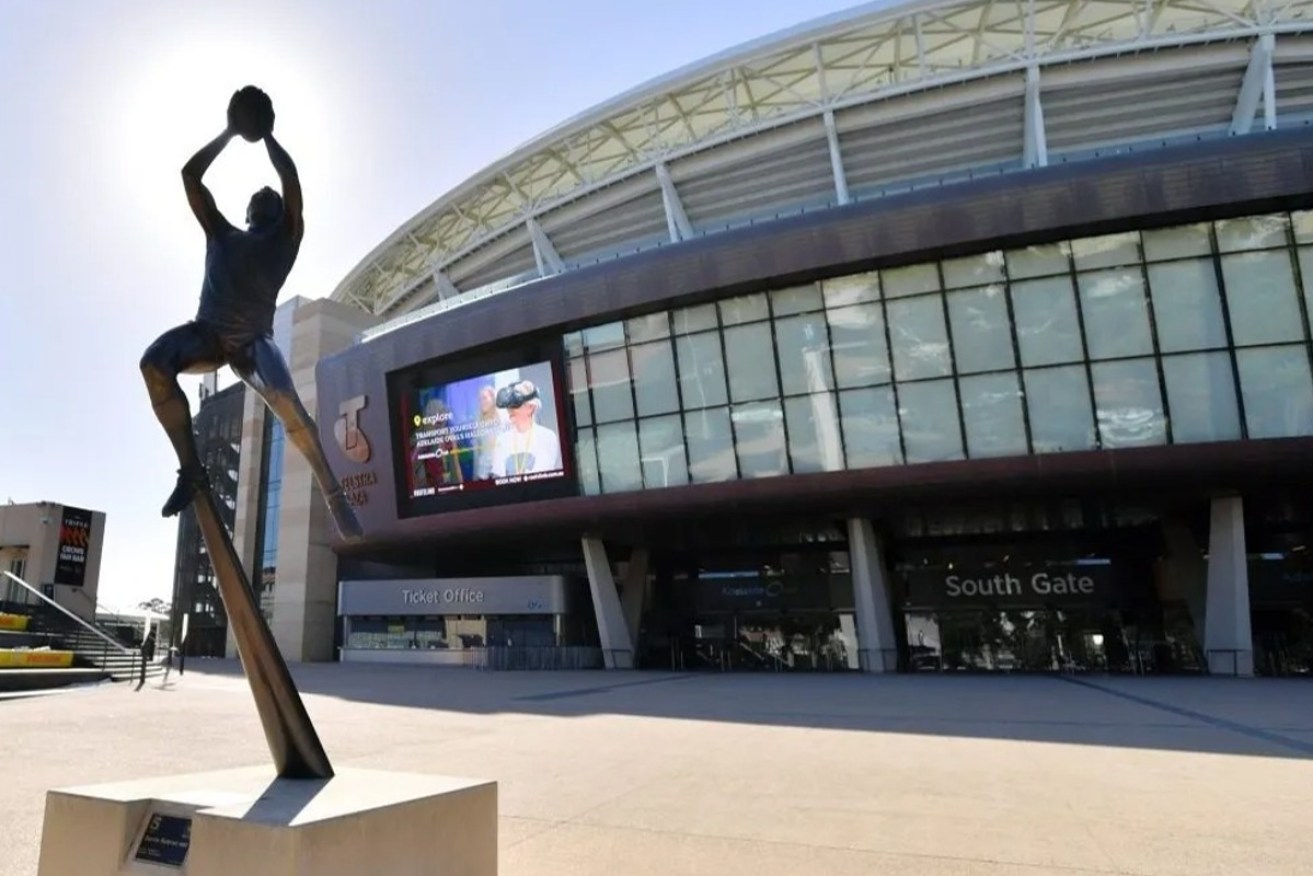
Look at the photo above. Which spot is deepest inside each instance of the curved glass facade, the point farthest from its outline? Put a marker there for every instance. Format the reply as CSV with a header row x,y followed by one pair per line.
x,y
1169,336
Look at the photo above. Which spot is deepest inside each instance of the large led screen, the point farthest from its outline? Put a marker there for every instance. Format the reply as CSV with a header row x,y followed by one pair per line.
x,y
479,438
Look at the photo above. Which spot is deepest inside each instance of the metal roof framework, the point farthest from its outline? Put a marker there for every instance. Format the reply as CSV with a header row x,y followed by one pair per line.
x,y
811,84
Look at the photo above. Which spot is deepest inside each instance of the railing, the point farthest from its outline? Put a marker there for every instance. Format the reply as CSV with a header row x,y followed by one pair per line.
x,y
106,642
565,657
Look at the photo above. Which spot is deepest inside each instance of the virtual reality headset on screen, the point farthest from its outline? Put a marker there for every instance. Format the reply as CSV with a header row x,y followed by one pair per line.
x,y
516,394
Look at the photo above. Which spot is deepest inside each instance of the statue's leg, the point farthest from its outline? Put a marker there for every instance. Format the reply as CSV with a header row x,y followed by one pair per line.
x,y
189,348
261,365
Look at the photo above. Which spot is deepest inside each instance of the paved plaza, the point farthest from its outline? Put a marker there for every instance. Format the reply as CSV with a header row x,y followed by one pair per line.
x,y
652,773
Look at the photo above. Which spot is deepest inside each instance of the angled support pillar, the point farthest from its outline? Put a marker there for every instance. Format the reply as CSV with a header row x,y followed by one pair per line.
x,y
1035,152
549,261
634,593
617,646
836,158
1259,84
676,219
1228,639
875,625
446,288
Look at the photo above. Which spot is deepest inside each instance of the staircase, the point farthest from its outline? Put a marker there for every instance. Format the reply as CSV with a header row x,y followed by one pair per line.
x,y
118,659
98,652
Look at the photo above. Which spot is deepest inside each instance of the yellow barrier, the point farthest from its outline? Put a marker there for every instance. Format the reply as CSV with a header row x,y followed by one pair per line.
x,y
13,659
13,622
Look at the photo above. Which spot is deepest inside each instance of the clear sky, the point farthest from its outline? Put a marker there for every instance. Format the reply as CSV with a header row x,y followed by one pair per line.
x,y
384,105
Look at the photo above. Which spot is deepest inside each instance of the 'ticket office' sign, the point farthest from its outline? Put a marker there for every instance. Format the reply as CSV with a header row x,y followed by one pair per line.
x,y
529,594
1033,585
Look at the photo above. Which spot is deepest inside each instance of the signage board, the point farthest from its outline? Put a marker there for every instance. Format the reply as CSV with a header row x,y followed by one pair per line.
x,y
528,594
74,543
165,840
1016,585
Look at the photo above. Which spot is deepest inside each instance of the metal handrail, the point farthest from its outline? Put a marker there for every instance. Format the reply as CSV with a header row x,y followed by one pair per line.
x,y
61,608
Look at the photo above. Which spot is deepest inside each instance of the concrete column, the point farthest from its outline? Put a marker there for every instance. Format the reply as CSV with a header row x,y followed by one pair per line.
x,y
1228,640
617,645
875,624
635,591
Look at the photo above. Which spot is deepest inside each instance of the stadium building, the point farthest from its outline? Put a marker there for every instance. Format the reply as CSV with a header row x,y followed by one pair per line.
x,y
944,336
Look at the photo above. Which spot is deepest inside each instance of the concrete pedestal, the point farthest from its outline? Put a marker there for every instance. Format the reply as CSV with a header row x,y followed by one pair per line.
x,y
248,821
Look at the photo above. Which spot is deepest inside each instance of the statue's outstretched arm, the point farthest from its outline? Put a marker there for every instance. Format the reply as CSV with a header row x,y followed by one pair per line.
x,y
198,196
291,183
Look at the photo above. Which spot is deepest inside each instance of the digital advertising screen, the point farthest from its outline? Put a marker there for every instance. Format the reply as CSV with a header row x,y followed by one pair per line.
x,y
471,439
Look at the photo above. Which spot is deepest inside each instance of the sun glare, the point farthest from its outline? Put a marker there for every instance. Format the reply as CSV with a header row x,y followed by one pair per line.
x,y
175,100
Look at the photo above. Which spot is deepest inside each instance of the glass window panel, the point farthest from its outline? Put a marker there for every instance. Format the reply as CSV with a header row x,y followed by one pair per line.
x,y
654,378
710,446
608,374
1201,397
617,458
1177,243
796,299
1047,330
759,439
661,449
1128,403
853,289
1058,400
991,412
585,450
1252,232
910,280
869,420
688,320
1306,272
1039,261
976,270
814,440
701,370
982,337
750,359
583,410
574,344
649,328
857,340
1278,391
1116,314
604,337
1302,223
1186,305
919,338
744,308
928,411
1260,297
804,354
1107,251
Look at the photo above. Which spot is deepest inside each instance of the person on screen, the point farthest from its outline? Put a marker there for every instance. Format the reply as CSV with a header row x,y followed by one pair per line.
x,y
490,423
527,446
436,464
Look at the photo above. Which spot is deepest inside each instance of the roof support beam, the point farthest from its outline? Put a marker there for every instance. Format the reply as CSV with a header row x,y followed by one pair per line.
x,y
549,261
836,158
1259,84
676,219
1035,151
446,288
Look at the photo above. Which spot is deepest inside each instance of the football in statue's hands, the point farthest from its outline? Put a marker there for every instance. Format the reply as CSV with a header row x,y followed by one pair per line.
x,y
251,113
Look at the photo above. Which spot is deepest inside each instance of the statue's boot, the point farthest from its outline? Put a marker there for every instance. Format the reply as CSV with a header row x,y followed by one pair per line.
x,y
192,480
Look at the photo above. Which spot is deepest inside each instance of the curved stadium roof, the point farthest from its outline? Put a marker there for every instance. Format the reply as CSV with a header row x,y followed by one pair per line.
x,y
875,100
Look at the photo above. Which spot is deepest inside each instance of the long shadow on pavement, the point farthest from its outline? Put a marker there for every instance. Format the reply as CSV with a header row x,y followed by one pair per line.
x,y
1262,717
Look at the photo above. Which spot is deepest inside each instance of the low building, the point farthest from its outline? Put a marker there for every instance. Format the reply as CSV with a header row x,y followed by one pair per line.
x,y
55,548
